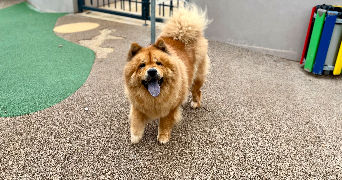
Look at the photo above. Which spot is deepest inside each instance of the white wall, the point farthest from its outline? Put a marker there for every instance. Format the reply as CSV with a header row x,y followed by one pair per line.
x,y
271,26
60,6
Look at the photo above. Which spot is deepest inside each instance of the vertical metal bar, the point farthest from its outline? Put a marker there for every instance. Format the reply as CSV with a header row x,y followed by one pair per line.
x,y
153,21
159,9
129,1
80,5
91,2
97,3
136,5
115,4
163,9
104,4
177,3
121,3
108,3
148,8
171,8
145,10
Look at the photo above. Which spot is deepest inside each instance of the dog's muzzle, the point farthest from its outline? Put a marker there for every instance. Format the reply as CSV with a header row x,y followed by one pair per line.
x,y
153,82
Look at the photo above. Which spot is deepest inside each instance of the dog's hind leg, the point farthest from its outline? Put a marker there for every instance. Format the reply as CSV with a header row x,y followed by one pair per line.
x,y
200,78
138,123
166,124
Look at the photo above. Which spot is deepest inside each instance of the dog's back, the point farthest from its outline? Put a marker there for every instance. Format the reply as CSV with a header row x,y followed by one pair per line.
x,y
184,35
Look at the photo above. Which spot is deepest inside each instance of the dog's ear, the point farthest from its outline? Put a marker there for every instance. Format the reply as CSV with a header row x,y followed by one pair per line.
x,y
135,48
160,44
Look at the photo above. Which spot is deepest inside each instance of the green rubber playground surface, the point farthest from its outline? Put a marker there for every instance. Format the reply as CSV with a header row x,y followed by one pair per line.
x,y
37,68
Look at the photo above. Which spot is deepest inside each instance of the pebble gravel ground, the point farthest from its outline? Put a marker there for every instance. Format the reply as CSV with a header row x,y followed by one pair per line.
x,y
263,117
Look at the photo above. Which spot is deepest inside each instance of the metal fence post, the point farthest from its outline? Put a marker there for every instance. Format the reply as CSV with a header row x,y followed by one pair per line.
x,y
145,11
81,3
153,21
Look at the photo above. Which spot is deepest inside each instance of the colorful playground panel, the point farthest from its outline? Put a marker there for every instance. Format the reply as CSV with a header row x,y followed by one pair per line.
x,y
322,51
315,38
338,65
308,34
334,46
323,47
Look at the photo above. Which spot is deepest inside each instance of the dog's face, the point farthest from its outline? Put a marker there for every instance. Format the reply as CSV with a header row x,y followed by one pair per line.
x,y
149,69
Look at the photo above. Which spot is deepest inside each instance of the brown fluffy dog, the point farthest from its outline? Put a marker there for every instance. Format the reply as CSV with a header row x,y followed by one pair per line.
x,y
159,77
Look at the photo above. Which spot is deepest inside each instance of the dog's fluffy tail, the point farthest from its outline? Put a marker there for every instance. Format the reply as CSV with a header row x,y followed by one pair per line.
x,y
187,24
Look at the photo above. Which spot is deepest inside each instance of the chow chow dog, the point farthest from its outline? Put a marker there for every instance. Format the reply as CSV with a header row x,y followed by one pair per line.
x,y
158,77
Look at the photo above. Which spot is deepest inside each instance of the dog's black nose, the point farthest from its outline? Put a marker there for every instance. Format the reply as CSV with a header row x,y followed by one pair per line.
x,y
152,72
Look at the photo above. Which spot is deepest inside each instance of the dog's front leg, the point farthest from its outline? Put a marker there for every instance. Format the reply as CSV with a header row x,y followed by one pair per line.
x,y
166,124
138,123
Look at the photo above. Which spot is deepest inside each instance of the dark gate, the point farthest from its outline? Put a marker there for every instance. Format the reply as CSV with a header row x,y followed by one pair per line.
x,y
138,9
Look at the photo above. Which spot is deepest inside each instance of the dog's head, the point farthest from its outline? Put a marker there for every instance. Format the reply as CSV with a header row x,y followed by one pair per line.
x,y
149,69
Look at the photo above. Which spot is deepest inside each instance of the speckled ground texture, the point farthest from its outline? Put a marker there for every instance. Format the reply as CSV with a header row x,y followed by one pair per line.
x,y
263,117
7,3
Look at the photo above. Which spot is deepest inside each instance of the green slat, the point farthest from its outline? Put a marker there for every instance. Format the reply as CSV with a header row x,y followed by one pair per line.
x,y
315,37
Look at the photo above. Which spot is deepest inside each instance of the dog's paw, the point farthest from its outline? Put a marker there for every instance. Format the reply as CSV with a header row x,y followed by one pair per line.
x,y
163,138
135,139
195,105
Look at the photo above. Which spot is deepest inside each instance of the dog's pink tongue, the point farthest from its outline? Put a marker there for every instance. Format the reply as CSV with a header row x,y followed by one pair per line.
x,y
153,88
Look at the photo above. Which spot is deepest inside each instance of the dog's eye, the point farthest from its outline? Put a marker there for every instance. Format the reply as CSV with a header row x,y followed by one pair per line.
x,y
142,65
159,63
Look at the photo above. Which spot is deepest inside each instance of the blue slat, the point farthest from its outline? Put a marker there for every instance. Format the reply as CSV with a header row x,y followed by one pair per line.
x,y
324,42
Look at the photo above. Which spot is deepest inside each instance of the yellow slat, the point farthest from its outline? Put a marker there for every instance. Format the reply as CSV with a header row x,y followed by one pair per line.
x,y
338,65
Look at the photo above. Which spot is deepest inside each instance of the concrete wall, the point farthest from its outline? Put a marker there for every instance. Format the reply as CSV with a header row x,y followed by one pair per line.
x,y
60,6
274,27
